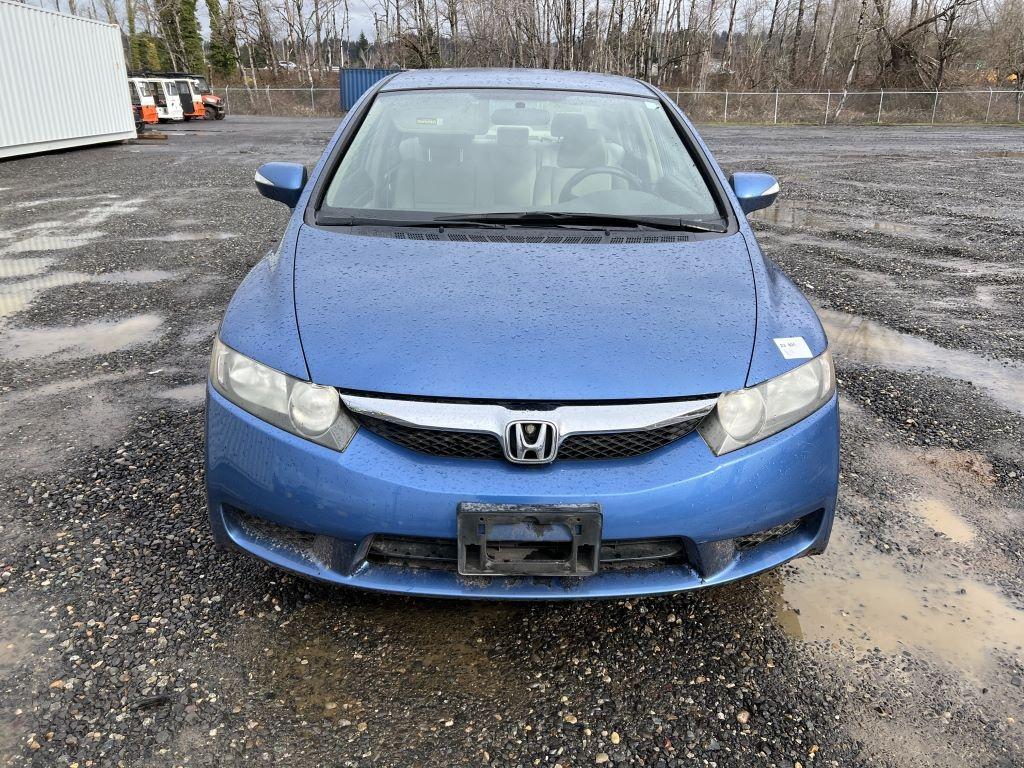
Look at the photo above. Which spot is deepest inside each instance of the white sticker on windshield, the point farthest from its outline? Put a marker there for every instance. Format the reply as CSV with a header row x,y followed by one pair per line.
x,y
794,348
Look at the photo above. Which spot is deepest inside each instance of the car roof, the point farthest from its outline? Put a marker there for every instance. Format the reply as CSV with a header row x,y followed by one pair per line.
x,y
516,78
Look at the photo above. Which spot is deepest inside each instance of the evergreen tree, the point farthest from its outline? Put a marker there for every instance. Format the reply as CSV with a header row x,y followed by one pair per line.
x,y
191,42
222,40
151,56
134,60
363,46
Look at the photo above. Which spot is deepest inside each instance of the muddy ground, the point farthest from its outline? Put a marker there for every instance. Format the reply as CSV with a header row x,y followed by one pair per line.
x,y
125,639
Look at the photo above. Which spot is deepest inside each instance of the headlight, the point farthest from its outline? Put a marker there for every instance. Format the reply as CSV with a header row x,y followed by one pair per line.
x,y
300,407
748,415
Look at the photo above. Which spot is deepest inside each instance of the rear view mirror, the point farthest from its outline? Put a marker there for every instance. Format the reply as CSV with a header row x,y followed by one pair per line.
x,y
282,182
754,190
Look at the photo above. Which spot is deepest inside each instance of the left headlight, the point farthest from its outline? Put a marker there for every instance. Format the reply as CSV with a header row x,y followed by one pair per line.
x,y
305,409
748,415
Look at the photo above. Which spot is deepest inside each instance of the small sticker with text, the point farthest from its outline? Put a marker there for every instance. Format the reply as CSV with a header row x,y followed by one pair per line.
x,y
794,348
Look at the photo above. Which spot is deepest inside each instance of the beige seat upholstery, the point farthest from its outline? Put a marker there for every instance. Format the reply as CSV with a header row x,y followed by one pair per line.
x,y
513,169
578,147
456,173
440,172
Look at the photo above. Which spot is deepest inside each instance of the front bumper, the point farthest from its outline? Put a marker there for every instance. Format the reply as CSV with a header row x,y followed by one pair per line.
x,y
327,507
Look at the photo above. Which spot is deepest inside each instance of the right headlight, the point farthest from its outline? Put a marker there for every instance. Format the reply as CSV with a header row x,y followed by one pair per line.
x,y
308,410
748,415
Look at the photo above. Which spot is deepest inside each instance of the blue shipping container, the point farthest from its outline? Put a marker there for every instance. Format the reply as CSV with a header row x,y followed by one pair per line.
x,y
355,82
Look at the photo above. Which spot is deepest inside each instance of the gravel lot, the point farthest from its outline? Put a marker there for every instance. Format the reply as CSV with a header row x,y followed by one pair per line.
x,y
125,639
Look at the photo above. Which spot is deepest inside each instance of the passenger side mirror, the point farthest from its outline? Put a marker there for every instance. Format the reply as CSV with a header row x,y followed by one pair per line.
x,y
282,182
754,190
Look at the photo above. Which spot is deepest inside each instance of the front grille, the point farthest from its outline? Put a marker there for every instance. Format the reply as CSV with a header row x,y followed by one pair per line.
x,y
479,445
754,540
272,534
442,554
622,445
437,442
414,552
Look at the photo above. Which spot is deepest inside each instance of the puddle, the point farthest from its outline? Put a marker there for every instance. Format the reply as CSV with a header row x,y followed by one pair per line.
x,y
52,242
942,518
186,237
201,334
52,200
190,394
866,341
987,296
52,235
972,268
23,659
24,267
16,296
97,338
794,213
47,421
857,596
16,642
437,651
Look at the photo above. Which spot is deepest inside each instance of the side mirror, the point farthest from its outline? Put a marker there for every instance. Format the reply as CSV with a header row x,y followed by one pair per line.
x,y
754,190
282,182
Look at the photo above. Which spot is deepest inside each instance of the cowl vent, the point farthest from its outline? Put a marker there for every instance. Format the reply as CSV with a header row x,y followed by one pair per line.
x,y
589,238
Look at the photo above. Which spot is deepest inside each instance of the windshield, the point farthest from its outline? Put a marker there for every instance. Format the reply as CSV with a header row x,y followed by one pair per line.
x,y
469,152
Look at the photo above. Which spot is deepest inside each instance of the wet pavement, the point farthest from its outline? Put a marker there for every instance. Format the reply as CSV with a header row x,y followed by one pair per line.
x,y
125,639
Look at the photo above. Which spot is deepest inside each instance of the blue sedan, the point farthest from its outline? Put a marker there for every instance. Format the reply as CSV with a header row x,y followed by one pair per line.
x,y
519,342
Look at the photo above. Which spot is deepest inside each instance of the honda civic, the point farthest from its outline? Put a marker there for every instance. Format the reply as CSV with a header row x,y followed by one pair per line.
x,y
518,341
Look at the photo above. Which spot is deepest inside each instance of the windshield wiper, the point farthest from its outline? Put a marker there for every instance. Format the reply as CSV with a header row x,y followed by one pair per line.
x,y
598,220
363,221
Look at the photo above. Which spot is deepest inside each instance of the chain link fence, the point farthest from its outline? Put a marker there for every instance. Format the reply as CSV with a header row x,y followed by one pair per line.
x,y
283,102
852,108
758,107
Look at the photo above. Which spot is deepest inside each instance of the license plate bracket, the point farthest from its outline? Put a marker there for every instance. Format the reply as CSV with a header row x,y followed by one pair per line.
x,y
529,539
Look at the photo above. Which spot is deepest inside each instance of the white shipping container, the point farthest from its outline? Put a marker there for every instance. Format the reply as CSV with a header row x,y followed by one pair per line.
x,y
62,79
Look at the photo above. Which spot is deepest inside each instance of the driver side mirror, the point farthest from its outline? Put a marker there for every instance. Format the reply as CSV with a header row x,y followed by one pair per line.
x,y
282,182
754,190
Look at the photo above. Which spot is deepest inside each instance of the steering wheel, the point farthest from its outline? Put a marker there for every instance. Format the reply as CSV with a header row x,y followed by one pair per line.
x,y
606,170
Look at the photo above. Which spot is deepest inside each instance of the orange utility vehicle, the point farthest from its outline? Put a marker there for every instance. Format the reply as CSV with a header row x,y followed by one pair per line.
x,y
141,93
191,99
213,105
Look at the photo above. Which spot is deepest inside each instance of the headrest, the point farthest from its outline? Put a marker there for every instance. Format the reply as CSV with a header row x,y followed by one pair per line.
x,y
582,150
520,116
445,147
568,124
513,136
408,149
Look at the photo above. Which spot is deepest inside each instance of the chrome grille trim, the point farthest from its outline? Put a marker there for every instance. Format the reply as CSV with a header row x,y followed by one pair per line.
x,y
493,418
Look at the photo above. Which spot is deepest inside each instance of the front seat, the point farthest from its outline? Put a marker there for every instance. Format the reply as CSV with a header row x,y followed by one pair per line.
x,y
439,174
513,169
579,147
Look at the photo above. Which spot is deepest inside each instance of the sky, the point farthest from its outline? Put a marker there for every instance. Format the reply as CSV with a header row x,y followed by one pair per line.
x,y
360,15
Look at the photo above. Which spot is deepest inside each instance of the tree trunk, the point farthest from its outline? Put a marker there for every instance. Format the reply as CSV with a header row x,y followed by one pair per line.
x,y
858,47
796,38
829,38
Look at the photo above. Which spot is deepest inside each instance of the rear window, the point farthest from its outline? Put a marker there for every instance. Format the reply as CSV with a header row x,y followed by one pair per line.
x,y
491,151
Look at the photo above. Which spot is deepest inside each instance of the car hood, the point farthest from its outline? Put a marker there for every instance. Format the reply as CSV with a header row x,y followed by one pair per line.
x,y
516,321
